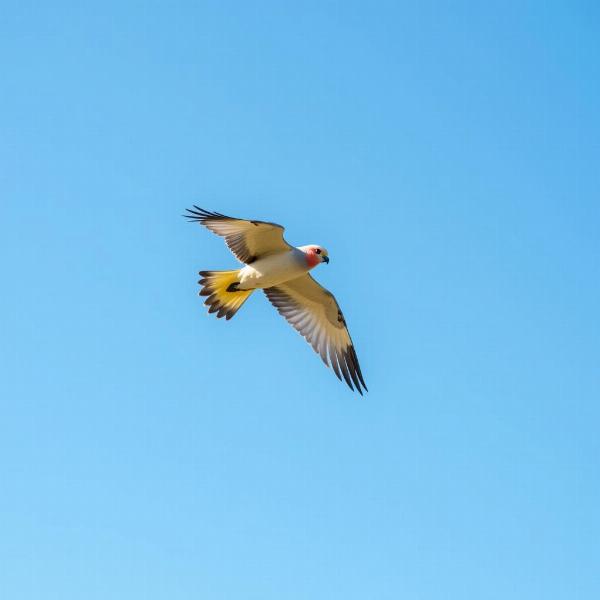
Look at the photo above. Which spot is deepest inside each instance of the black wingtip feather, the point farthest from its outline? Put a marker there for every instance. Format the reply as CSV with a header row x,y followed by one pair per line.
x,y
201,215
356,364
345,373
352,368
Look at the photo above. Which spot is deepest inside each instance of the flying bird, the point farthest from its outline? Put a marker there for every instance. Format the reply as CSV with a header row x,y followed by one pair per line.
x,y
282,272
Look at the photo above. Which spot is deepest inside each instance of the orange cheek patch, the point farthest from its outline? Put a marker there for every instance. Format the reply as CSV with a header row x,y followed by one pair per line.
x,y
312,260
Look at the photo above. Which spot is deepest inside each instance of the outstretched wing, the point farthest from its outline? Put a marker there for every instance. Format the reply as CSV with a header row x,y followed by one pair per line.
x,y
315,314
248,240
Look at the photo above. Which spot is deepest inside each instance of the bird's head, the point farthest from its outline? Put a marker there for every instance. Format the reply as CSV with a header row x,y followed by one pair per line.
x,y
315,255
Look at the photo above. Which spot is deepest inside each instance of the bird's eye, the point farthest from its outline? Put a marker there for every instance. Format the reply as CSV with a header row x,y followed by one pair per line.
x,y
318,250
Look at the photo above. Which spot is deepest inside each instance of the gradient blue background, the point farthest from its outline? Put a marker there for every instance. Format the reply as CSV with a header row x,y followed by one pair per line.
x,y
447,155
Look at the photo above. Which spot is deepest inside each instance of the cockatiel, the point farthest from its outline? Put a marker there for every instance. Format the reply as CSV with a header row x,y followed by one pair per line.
x,y
282,272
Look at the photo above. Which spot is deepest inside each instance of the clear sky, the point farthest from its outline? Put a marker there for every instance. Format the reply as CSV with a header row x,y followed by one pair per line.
x,y
447,155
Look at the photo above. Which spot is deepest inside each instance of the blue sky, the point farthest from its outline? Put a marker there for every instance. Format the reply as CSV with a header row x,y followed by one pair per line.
x,y
446,154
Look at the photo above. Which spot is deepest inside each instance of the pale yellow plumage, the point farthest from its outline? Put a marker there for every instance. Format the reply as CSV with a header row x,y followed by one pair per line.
x,y
282,272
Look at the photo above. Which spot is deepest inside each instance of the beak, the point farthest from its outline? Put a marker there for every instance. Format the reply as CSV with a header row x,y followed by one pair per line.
x,y
326,259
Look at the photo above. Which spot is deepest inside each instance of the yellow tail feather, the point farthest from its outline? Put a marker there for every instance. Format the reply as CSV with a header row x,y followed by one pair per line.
x,y
223,296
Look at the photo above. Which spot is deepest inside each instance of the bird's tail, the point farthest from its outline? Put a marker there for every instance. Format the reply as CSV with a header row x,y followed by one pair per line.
x,y
223,296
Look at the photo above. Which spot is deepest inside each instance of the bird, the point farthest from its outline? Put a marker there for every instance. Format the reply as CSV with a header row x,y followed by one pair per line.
x,y
282,271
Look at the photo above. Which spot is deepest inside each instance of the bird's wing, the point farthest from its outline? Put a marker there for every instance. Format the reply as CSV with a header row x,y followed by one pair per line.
x,y
248,240
315,314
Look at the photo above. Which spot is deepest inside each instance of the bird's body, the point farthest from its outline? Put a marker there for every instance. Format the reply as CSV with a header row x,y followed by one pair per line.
x,y
282,272
273,270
